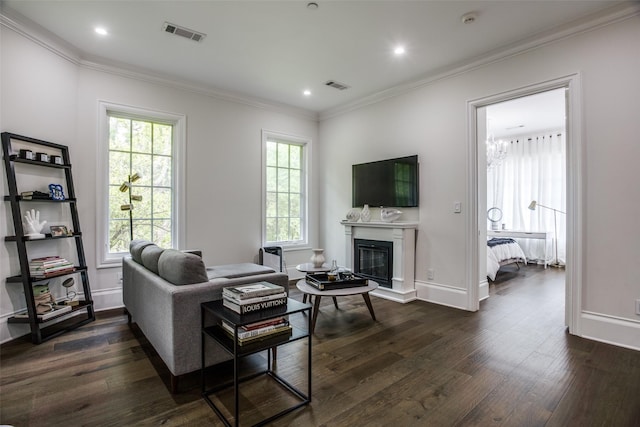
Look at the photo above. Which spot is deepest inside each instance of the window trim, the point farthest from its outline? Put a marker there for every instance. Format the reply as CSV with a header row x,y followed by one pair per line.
x,y
103,258
306,173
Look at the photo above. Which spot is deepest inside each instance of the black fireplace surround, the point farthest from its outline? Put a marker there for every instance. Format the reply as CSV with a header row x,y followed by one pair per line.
x,y
373,259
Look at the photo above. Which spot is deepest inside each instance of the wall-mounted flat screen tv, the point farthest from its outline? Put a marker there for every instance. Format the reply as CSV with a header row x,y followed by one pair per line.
x,y
389,183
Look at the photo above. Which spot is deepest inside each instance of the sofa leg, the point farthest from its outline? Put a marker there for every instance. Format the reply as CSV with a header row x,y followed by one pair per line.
x,y
174,384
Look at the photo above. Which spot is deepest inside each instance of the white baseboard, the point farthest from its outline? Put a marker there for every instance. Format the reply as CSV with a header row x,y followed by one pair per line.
x,y
396,296
441,294
483,291
107,299
610,330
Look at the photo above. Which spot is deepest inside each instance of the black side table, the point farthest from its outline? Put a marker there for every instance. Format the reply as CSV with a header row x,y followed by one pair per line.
x,y
216,311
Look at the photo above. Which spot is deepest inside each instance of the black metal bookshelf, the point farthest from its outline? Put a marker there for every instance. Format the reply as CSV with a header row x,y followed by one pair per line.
x,y
83,312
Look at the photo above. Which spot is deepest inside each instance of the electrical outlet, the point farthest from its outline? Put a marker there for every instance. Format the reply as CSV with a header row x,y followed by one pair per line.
x,y
430,274
638,306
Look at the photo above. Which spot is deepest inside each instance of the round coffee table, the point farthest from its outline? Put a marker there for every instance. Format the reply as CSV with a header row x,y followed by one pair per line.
x,y
307,289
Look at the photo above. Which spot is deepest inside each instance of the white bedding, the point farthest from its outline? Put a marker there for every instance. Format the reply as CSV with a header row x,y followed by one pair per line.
x,y
499,253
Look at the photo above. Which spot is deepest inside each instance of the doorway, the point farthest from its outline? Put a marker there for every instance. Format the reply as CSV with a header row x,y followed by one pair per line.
x,y
479,111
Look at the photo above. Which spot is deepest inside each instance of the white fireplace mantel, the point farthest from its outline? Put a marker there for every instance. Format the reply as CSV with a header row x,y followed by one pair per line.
x,y
403,237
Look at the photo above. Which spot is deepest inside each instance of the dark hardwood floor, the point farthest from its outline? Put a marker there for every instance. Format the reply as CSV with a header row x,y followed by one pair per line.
x,y
420,364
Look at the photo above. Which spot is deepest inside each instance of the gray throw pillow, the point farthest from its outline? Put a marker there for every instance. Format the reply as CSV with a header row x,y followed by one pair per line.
x,y
136,247
181,268
151,256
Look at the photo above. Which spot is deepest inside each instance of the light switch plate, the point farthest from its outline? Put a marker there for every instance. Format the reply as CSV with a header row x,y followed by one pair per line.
x,y
457,207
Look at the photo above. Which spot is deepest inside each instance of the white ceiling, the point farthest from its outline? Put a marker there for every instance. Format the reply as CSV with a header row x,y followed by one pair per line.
x,y
273,50
527,115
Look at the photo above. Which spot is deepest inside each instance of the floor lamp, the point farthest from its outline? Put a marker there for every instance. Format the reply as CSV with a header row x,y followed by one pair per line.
x,y
532,206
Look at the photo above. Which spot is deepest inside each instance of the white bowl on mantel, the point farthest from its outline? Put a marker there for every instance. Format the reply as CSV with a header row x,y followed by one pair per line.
x,y
389,215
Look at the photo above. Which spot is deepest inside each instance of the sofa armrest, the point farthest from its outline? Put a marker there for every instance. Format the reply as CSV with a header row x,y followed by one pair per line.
x,y
169,316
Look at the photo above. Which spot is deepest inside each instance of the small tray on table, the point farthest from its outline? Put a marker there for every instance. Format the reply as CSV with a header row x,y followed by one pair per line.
x,y
321,281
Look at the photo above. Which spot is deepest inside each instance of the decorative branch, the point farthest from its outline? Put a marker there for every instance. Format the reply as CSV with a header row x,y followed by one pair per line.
x,y
126,188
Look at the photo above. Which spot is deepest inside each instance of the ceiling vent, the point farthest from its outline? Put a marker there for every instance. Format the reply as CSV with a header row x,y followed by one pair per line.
x,y
183,32
337,85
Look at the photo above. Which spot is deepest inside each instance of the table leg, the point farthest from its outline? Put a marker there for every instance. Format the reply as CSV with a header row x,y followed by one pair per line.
x,y
367,301
335,302
316,308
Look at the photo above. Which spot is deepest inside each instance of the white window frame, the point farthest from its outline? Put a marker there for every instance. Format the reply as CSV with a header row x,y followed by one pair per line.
x,y
304,205
104,258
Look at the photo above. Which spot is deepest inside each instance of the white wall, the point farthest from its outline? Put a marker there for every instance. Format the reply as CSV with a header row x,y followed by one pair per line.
x,y
51,98
431,121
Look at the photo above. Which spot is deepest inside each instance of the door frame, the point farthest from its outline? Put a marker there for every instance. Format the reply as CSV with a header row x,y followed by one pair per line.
x,y
574,145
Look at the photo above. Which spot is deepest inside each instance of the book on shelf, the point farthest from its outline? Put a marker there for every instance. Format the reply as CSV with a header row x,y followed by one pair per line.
x,y
252,308
236,300
282,332
55,273
46,259
48,264
50,267
244,334
252,290
30,195
57,311
263,323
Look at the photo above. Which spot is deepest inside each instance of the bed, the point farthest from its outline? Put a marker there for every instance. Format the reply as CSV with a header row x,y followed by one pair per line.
x,y
502,251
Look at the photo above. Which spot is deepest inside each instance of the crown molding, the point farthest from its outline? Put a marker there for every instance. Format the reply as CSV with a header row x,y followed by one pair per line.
x,y
40,36
609,16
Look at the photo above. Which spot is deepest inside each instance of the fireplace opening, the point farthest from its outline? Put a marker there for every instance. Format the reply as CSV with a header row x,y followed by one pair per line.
x,y
374,260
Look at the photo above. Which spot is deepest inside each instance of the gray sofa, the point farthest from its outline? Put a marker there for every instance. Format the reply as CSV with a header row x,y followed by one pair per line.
x,y
162,291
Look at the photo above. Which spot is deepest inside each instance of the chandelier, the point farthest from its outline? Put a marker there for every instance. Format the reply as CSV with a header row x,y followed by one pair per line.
x,y
496,151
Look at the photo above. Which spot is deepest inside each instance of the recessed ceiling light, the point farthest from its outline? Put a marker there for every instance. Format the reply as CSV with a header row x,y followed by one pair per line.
x,y
399,50
307,92
312,5
101,31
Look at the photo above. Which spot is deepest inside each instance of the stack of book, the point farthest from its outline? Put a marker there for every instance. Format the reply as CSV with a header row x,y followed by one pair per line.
x,y
273,328
251,298
49,266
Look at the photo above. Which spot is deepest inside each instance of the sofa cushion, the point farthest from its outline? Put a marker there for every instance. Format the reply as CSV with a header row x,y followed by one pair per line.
x,y
181,268
150,256
231,271
136,247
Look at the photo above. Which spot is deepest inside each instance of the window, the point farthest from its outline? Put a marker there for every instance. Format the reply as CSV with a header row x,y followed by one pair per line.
x,y
140,180
285,188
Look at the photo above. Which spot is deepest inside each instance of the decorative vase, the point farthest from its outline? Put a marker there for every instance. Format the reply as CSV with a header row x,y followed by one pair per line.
x,y
353,215
365,215
317,259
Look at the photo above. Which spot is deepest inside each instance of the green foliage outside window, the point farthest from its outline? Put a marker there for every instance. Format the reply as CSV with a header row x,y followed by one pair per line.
x,y
284,187
143,147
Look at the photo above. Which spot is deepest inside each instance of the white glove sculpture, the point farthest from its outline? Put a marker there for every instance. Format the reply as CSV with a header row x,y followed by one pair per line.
x,y
33,225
